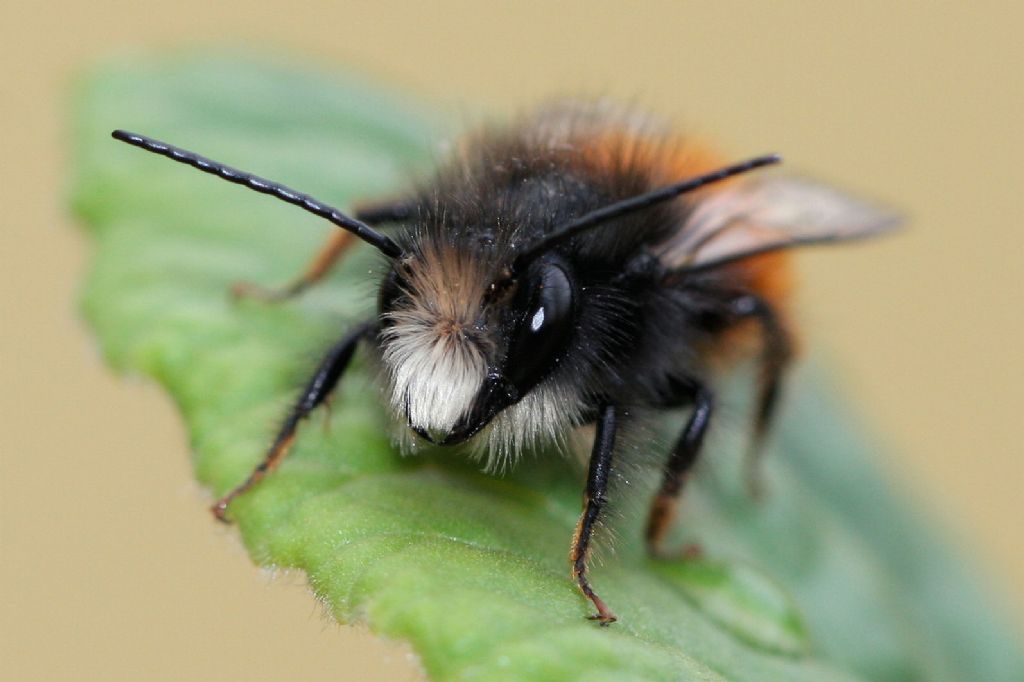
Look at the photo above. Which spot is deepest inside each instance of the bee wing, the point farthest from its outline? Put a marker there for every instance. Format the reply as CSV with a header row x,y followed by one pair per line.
x,y
767,215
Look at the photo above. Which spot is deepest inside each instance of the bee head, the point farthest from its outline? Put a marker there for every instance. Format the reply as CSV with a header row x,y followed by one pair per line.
x,y
460,343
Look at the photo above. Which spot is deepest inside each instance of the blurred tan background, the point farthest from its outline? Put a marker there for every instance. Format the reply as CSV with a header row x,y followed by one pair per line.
x,y
110,566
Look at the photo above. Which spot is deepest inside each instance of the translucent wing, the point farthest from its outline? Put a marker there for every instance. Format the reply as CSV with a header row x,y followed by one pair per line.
x,y
767,215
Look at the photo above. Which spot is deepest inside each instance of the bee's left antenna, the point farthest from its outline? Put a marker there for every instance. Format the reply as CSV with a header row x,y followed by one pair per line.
x,y
381,242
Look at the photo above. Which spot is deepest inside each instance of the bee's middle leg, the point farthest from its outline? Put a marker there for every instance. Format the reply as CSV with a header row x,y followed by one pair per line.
x,y
327,258
677,470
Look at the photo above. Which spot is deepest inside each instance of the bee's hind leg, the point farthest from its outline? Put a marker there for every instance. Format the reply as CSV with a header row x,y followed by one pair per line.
x,y
776,355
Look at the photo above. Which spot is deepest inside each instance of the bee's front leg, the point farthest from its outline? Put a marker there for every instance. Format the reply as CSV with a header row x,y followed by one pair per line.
x,y
317,390
594,500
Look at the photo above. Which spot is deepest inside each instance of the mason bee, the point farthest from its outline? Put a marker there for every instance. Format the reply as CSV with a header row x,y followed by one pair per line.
x,y
565,271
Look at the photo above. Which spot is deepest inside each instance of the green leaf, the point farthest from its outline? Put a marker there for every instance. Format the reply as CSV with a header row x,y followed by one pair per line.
x,y
831,578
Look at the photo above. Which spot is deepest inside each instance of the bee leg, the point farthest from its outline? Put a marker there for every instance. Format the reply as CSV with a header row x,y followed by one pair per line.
x,y
325,260
776,354
680,463
328,256
318,388
594,500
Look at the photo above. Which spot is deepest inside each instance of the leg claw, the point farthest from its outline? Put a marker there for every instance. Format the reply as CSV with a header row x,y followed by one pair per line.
x,y
603,619
693,550
243,290
220,511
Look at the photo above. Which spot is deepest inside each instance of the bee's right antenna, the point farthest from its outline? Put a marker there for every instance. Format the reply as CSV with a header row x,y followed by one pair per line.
x,y
381,242
637,203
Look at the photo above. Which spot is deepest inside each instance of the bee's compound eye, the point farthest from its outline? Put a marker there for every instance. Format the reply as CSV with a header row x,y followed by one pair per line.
x,y
544,327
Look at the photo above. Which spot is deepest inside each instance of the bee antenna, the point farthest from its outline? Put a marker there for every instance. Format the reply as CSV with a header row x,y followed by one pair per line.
x,y
381,242
633,204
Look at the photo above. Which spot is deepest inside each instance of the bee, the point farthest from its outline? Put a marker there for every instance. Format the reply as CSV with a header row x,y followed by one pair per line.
x,y
568,270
